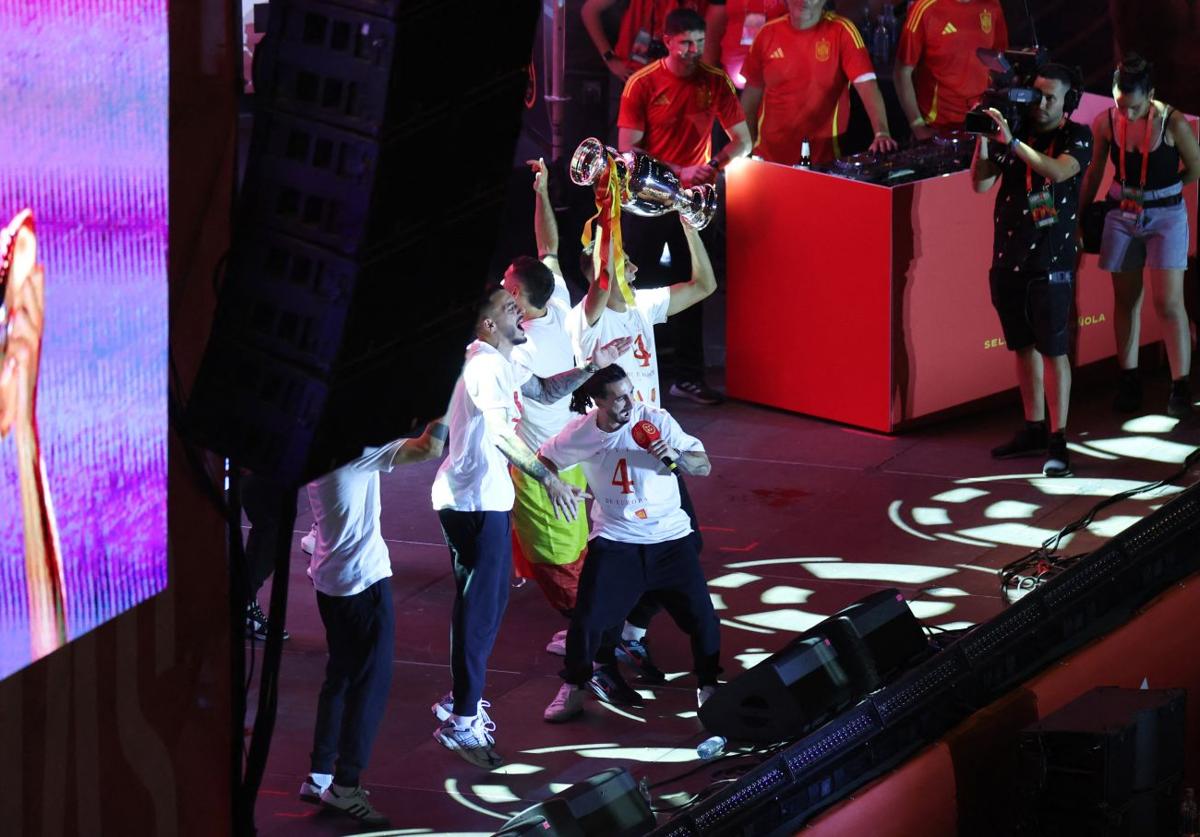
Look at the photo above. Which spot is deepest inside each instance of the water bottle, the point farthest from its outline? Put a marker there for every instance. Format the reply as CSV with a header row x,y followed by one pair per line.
x,y
1189,821
881,38
805,153
710,748
887,18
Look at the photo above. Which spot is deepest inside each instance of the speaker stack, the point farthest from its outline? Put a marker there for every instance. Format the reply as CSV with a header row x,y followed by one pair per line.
x,y
382,145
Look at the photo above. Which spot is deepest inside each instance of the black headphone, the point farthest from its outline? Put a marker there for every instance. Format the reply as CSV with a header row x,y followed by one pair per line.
x,y
1074,94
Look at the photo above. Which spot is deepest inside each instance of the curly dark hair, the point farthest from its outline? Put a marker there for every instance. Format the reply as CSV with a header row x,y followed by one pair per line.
x,y
585,395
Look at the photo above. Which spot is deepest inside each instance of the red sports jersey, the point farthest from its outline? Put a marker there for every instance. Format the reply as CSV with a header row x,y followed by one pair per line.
x,y
744,19
805,76
642,22
676,113
939,40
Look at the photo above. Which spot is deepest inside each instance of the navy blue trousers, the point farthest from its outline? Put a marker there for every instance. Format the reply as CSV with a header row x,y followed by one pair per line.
x,y
360,632
481,556
615,575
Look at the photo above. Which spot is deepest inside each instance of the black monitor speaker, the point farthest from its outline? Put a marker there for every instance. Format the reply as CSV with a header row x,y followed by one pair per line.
x,y
608,804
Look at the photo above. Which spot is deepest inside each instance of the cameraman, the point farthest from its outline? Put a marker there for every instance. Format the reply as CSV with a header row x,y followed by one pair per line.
x,y
1034,253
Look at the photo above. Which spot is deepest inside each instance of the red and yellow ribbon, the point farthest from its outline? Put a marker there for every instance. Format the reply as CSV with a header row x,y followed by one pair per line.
x,y
610,191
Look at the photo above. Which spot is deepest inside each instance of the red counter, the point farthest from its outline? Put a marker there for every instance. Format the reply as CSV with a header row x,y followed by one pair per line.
x,y
868,304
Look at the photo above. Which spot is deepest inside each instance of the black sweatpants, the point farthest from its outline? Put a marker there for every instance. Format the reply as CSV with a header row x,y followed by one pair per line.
x,y
481,556
615,575
360,633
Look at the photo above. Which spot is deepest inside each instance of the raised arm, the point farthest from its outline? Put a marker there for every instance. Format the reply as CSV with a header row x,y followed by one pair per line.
x,y
1055,169
703,282
545,226
596,299
550,390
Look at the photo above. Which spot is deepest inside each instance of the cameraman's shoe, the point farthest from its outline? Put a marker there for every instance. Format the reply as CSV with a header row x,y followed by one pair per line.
x,y
1028,441
1058,458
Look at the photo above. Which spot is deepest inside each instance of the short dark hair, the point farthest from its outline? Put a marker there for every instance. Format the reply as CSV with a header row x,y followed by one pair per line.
x,y
585,395
1134,73
683,20
483,303
535,278
1072,77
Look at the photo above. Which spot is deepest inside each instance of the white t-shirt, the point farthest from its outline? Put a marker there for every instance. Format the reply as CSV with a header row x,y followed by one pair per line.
x,y
549,351
636,497
350,553
474,474
641,361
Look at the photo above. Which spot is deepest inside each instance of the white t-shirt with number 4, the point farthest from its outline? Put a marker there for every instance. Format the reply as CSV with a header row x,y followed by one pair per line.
x,y
641,361
474,475
636,497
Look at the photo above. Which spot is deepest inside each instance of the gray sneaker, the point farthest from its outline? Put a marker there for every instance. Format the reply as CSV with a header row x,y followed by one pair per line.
x,y
352,801
444,708
475,743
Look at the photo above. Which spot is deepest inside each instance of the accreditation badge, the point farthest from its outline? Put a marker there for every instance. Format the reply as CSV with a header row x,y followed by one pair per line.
x,y
1133,201
1041,208
750,26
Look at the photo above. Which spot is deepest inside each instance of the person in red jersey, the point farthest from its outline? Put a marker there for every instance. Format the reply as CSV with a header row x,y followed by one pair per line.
x,y
938,75
732,27
667,111
641,39
798,75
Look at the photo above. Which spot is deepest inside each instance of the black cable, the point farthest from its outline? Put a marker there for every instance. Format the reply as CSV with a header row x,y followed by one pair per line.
x,y
1046,551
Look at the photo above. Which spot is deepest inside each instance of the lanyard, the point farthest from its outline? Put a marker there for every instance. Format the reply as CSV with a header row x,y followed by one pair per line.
x,y
1145,144
1029,168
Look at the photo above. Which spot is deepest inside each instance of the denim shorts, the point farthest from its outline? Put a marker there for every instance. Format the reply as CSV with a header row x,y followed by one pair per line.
x,y
1158,239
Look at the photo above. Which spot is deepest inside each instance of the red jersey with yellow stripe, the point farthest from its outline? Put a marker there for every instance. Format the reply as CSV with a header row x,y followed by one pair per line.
x,y
939,40
676,113
805,77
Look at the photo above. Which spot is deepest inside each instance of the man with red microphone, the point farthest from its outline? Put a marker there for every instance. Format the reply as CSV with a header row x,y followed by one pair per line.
x,y
641,536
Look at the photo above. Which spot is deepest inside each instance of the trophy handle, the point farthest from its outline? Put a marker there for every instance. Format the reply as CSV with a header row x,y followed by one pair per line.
x,y
588,162
701,205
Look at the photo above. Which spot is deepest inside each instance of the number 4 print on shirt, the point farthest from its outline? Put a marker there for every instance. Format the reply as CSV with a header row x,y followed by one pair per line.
x,y
641,352
621,477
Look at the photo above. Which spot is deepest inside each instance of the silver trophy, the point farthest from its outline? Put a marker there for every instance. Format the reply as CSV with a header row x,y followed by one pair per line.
x,y
653,188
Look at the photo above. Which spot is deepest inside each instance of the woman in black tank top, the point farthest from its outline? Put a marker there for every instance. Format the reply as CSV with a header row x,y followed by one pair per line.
x,y
1154,153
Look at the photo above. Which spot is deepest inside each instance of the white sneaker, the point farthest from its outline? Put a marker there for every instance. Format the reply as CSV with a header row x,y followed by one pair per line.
x,y
313,786
444,708
352,801
308,543
475,743
703,694
558,644
567,704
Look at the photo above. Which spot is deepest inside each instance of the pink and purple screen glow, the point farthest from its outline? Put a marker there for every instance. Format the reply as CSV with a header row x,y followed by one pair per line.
x,y
83,142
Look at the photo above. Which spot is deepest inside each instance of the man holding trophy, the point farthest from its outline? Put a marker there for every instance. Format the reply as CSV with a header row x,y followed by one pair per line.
x,y
667,112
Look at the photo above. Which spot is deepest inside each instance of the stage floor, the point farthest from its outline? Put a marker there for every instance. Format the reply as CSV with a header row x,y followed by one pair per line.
x,y
800,518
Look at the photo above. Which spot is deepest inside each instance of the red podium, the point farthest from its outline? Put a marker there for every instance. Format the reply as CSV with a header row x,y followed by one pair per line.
x,y
869,305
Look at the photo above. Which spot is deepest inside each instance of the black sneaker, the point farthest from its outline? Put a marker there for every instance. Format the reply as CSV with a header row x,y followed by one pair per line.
x,y
1179,405
1028,441
607,684
1058,458
257,624
697,391
634,653
1129,392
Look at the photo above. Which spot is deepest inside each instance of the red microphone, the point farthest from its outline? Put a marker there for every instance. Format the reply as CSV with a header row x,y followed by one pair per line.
x,y
645,434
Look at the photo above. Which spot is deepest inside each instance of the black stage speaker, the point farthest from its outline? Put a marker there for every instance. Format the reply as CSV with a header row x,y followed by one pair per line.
x,y
608,804
378,165
819,673
1105,747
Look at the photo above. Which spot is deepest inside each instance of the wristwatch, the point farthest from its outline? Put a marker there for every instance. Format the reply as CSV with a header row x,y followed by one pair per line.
x,y
608,55
591,368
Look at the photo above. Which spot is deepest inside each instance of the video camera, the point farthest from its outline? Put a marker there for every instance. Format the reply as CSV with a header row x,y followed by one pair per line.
x,y
1011,91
